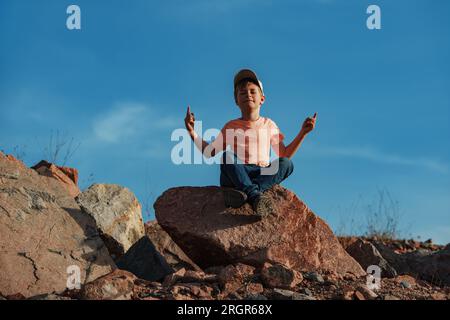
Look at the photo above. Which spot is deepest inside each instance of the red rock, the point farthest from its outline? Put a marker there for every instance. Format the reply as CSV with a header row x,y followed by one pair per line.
x,y
438,296
16,162
171,252
190,291
210,234
279,276
67,176
254,288
42,233
117,285
359,295
348,292
239,272
16,296
233,277
171,279
367,293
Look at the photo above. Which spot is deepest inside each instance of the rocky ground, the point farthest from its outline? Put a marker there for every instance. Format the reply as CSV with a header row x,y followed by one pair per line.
x,y
196,250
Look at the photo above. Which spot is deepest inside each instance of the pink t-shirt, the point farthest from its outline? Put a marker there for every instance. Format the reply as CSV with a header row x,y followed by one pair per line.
x,y
250,140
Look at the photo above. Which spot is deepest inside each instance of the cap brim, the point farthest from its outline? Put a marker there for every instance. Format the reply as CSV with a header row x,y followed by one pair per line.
x,y
243,74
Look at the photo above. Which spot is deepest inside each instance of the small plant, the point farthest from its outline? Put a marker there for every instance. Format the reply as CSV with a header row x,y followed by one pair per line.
x,y
383,217
19,152
60,148
378,219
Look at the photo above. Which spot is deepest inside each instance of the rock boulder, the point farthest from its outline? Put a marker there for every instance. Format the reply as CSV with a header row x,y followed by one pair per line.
x,y
210,234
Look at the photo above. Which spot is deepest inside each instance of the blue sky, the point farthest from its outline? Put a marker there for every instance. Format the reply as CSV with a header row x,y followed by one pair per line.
x,y
121,84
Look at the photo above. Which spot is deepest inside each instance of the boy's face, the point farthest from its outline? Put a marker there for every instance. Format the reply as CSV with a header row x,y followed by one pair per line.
x,y
249,97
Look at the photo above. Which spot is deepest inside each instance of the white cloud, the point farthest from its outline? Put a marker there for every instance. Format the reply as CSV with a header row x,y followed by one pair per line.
x,y
128,120
119,123
375,155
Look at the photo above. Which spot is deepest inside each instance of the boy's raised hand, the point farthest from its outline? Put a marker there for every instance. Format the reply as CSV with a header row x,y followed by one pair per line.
x,y
309,124
189,120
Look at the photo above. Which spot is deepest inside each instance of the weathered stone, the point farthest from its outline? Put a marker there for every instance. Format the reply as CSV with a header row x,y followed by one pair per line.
x,y
313,276
279,276
234,277
189,291
211,234
438,296
117,213
171,252
433,266
368,294
42,233
359,295
281,294
67,176
366,254
118,285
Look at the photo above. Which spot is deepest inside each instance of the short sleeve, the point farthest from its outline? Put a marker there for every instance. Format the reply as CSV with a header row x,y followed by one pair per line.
x,y
276,137
218,144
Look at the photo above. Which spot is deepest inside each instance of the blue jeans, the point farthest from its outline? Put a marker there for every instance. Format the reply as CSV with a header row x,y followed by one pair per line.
x,y
248,177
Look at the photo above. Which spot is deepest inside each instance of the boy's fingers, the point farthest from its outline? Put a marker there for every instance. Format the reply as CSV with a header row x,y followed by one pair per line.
x,y
315,115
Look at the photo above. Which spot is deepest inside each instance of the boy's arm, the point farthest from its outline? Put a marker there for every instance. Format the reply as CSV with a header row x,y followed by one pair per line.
x,y
291,149
201,144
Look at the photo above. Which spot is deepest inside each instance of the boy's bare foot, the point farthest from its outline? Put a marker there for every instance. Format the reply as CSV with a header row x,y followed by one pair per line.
x,y
234,198
263,205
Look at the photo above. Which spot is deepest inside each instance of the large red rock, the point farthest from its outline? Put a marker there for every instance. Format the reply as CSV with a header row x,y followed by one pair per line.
x,y
43,232
210,234
67,176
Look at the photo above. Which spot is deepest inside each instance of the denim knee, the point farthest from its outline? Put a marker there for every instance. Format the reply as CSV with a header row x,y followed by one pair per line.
x,y
286,165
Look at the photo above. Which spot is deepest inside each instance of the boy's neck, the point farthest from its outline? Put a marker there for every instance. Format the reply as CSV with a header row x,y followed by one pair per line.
x,y
251,116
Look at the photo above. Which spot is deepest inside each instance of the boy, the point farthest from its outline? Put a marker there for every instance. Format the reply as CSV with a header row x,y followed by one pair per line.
x,y
246,171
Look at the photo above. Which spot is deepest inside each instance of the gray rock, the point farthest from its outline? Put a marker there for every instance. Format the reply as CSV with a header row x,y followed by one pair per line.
x,y
405,284
367,254
426,265
313,276
144,261
279,276
281,294
171,252
117,213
